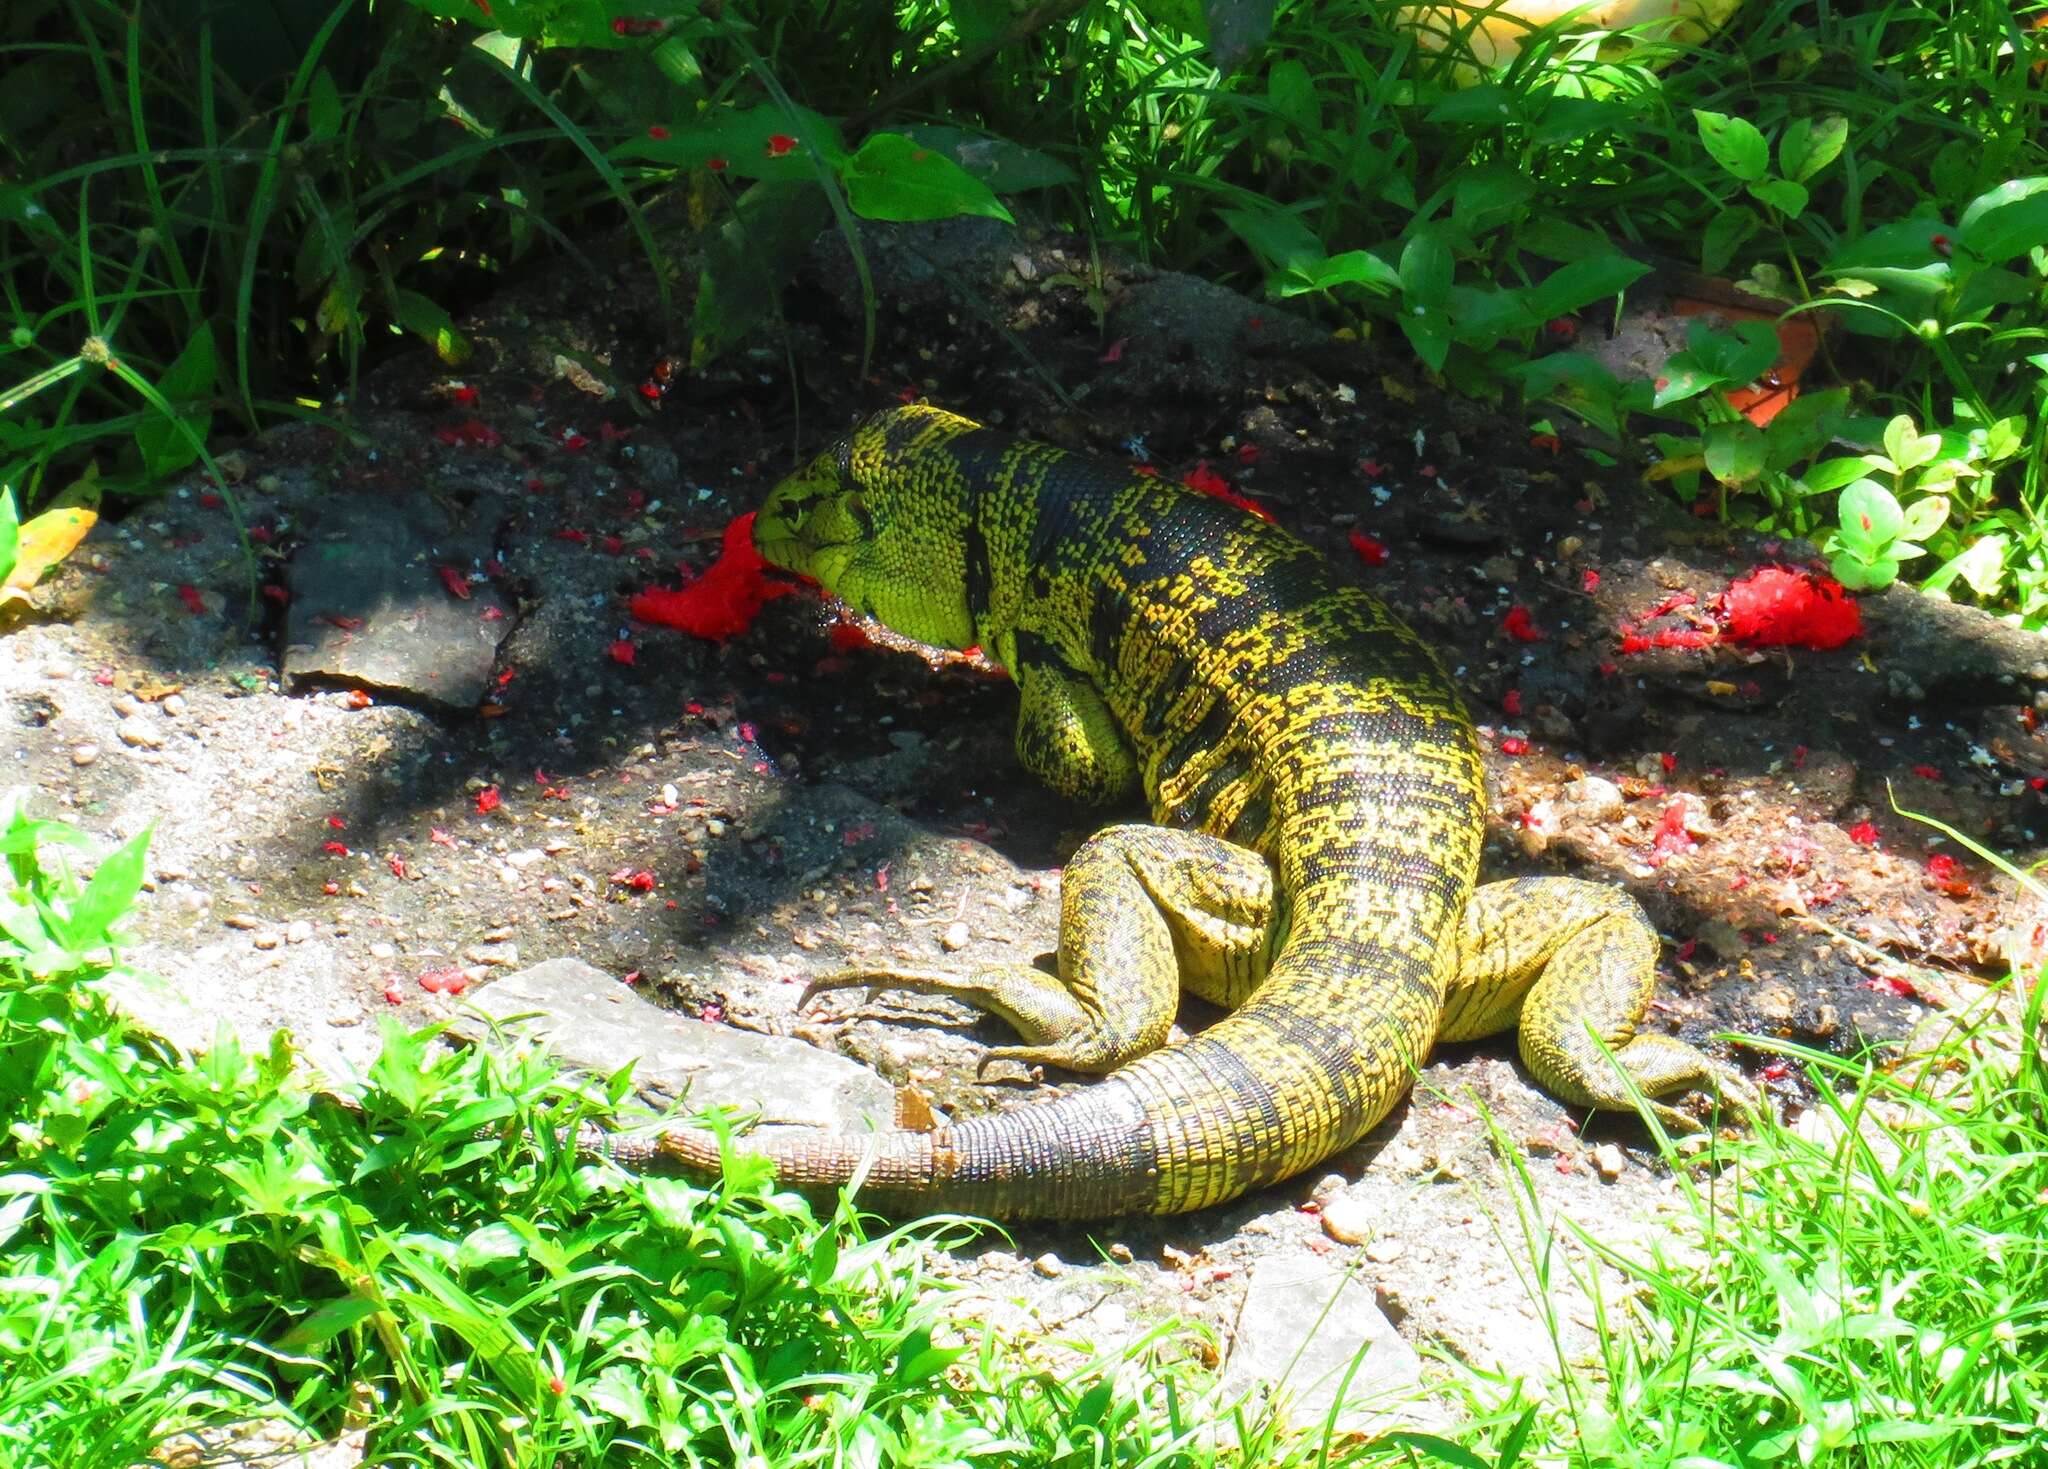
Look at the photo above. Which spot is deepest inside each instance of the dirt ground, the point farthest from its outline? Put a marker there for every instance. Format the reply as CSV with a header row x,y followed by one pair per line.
x,y
372,792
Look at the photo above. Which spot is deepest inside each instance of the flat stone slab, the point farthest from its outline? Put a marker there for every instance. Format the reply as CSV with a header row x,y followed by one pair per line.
x,y
1302,1326
592,1022
373,606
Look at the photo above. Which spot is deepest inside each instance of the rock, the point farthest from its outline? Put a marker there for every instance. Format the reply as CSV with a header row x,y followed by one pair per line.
x,y
370,608
1349,1220
954,938
1049,1265
502,955
298,931
83,755
592,1022
1591,798
1301,1327
1609,1162
174,705
141,734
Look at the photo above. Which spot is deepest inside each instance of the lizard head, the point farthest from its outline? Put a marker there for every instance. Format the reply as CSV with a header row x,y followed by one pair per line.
x,y
880,521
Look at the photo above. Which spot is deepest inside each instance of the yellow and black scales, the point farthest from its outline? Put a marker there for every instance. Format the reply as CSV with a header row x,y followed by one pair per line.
x,y
1318,789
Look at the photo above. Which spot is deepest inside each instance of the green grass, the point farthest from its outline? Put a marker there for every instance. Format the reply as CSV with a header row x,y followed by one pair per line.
x,y
202,1241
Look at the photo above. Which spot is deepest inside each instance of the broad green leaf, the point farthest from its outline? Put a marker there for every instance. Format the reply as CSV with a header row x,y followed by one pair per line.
x,y
893,177
1734,143
106,897
1735,451
1489,104
1907,449
1428,330
1724,235
764,142
1924,517
1359,268
1788,198
1279,239
1810,144
187,385
1006,167
1426,268
2005,230
1870,516
431,323
979,22
2008,193
1907,244
1292,93
1927,282
1859,575
323,106
10,532
750,258
1582,282
1230,27
1803,428
1489,195
1982,566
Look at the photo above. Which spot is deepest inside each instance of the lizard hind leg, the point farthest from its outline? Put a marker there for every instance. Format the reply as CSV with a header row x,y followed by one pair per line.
x,y
1142,908
1566,960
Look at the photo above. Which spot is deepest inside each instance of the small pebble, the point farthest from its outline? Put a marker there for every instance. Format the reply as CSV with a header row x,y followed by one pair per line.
x,y
268,939
243,921
954,938
56,670
382,950
715,827
174,705
1347,1220
127,706
1609,1162
142,736
1121,1253
83,755
298,931
1385,1250
1049,1265
503,955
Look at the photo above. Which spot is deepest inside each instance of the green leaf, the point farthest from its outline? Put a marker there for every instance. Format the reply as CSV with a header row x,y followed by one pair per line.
x,y
323,107
1735,451
2008,229
106,897
1859,575
1788,198
893,177
1734,143
1907,449
1810,144
764,142
1428,330
1982,566
1582,282
1489,195
1804,427
10,532
1831,474
1870,516
1292,93
1359,268
1281,240
1426,269
1926,282
1724,235
979,22
1712,357
1006,167
187,385
753,254
1991,200
432,324
1488,104
1924,517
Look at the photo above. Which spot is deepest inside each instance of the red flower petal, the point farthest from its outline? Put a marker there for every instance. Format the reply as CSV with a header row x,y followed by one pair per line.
x,y
723,602
487,800
622,651
1778,607
1372,552
780,144
1519,626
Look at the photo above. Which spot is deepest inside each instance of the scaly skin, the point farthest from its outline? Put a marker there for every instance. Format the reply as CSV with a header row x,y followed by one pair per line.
x,y
1318,789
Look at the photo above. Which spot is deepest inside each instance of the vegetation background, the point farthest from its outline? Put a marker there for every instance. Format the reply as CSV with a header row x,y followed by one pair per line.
x,y
217,214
